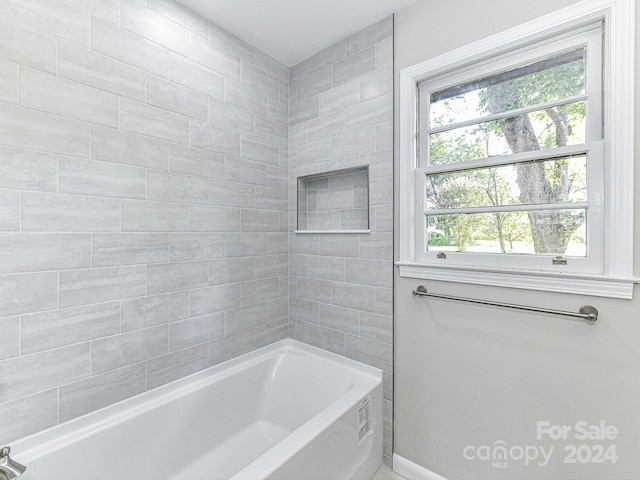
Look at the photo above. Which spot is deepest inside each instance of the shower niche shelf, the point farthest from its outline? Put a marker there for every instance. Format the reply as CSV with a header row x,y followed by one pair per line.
x,y
334,202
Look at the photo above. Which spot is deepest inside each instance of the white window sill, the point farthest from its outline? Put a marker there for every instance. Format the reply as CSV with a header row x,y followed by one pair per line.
x,y
595,285
332,231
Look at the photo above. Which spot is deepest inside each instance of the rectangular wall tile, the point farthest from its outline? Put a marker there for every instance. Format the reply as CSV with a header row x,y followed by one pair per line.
x,y
348,295
215,299
193,331
245,171
113,249
278,111
343,319
151,311
68,326
83,287
244,318
245,244
171,277
9,210
339,97
356,142
271,266
376,327
304,110
84,396
107,9
272,132
128,148
34,373
369,272
9,82
326,268
49,93
23,128
26,47
327,339
245,97
314,289
136,117
214,219
176,98
259,220
207,54
259,80
27,415
27,170
32,252
228,116
373,353
315,83
195,161
255,291
120,44
118,351
370,112
157,28
10,338
100,71
231,194
48,212
167,368
226,41
181,15
204,135
327,57
175,187
376,83
231,270
90,177
52,16
184,247
195,76
144,216
370,36
26,293
354,66
259,151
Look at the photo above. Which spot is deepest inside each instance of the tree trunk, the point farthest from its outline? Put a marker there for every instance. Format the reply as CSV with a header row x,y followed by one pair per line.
x,y
551,230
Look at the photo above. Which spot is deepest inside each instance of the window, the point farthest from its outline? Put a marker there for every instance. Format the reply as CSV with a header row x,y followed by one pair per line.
x,y
517,166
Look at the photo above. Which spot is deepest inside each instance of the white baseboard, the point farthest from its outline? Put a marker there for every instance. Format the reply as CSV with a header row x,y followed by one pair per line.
x,y
413,471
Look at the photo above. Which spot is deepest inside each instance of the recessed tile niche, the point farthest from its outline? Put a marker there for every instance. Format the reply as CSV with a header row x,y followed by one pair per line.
x,y
334,202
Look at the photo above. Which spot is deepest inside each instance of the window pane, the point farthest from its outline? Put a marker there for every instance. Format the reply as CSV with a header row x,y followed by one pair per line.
x,y
541,82
542,232
558,180
550,128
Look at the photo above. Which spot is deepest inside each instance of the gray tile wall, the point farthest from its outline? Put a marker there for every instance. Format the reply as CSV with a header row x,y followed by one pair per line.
x,y
341,111
143,202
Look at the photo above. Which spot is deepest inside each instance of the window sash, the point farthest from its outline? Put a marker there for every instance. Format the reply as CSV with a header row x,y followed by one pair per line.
x,y
591,38
594,261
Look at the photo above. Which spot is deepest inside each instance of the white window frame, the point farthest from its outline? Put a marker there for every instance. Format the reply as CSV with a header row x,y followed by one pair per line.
x,y
615,276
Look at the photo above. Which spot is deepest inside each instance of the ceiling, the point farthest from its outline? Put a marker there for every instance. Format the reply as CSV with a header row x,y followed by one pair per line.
x,y
293,30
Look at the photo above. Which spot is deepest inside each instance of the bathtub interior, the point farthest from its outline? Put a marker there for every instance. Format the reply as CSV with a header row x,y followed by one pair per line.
x,y
217,423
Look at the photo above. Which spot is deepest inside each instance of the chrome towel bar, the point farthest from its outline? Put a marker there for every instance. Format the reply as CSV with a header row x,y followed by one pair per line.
x,y
587,312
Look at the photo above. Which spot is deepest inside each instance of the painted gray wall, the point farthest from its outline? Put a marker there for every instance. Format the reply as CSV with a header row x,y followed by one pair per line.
x,y
473,375
143,203
341,284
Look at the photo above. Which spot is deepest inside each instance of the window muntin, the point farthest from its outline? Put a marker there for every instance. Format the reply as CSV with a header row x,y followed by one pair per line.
x,y
537,83
502,121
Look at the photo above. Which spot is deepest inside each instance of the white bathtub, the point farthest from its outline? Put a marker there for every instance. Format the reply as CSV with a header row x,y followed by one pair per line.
x,y
286,411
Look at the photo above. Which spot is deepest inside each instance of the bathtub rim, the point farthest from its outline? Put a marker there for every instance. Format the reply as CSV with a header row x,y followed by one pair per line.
x,y
36,445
